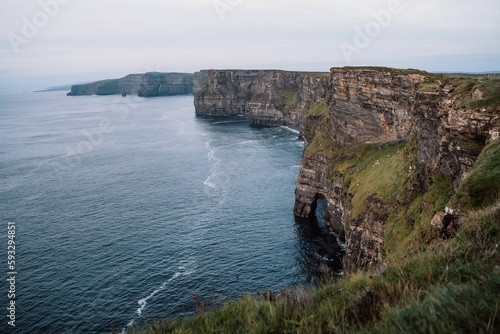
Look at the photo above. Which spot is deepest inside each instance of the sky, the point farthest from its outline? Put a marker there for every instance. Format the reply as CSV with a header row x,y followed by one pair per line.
x,y
55,42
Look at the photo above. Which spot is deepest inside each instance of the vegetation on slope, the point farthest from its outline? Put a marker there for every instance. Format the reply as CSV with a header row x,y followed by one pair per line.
x,y
473,91
446,286
430,283
482,187
316,132
391,70
286,100
389,174
451,288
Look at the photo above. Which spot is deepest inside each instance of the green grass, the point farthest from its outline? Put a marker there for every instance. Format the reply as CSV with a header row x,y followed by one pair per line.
x,y
482,187
287,100
408,225
316,131
463,88
319,109
323,145
491,94
428,285
451,288
317,75
393,71
381,174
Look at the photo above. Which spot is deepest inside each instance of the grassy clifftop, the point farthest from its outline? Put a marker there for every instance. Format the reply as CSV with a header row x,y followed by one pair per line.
x,y
445,286
432,280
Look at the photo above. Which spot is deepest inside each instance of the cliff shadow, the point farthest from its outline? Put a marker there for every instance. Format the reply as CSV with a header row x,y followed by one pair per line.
x,y
319,247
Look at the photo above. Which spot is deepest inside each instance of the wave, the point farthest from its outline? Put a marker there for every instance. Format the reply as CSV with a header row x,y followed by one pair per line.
x,y
252,142
182,270
290,129
210,180
300,143
228,122
192,133
211,151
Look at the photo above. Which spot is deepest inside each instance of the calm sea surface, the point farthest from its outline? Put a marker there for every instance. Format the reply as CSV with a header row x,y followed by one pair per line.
x,y
129,209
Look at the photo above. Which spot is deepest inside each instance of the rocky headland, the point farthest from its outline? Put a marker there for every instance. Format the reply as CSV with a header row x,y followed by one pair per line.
x,y
266,97
147,85
385,149
407,166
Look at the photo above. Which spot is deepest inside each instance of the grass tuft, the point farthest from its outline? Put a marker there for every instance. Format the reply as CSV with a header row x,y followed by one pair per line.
x,y
482,187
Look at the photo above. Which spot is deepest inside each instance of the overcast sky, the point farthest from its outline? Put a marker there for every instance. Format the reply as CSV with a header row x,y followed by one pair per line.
x,y
52,42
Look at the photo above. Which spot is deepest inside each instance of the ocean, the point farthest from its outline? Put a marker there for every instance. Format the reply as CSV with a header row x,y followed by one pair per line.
x,y
133,209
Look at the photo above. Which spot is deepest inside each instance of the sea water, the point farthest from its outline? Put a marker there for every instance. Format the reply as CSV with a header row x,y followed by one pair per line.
x,y
129,209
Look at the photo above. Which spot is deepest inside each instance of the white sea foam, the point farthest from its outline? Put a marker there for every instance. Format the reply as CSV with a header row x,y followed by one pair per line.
x,y
227,122
142,302
247,142
290,129
184,269
183,131
210,181
300,143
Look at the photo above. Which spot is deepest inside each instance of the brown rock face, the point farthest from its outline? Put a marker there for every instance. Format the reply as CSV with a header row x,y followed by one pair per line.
x,y
351,108
366,237
371,107
365,107
267,97
377,107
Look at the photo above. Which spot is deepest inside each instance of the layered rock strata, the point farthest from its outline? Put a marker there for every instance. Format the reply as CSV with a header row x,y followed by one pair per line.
x,y
429,119
384,107
267,97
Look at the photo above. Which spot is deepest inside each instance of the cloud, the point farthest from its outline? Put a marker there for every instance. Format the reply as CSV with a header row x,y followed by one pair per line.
x,y
122,36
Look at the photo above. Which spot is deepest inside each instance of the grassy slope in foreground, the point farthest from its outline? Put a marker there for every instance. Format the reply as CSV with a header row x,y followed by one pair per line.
x,y
446,286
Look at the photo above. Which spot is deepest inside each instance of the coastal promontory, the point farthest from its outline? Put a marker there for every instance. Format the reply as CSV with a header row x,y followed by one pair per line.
x,y
148,85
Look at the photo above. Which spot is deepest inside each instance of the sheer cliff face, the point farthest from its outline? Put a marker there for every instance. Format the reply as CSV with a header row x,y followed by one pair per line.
x,y
147,85
166,84
371,107
363,107
376,108
267,97
377,142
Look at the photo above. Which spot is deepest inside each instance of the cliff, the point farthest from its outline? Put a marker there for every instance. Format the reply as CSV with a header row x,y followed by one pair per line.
x,y
385,149
267,97
147,85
